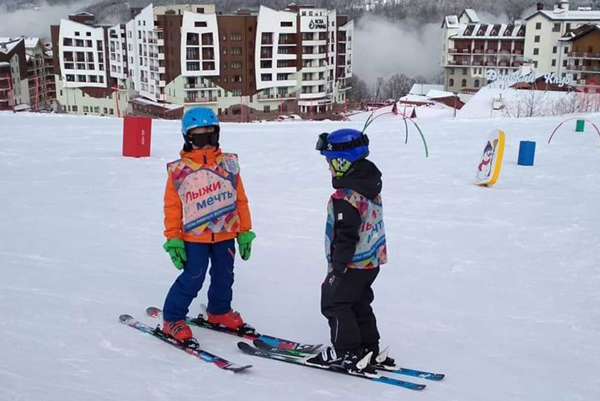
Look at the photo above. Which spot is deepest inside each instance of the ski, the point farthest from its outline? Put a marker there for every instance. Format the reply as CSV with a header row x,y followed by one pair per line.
x,y
278,356
247,332
421,374
197,352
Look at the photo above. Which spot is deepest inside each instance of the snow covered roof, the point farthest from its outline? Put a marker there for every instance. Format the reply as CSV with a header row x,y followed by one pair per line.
x,y
422,89
414,99
7,44
436,94
491,31
4,64
473,17
569,15
580,32
149,102
451,22
31,42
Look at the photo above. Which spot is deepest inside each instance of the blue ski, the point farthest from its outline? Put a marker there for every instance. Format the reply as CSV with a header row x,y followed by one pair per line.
x,y
248,349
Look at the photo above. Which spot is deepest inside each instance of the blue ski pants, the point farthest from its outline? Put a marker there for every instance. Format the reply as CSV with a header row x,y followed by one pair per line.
x,y
188,284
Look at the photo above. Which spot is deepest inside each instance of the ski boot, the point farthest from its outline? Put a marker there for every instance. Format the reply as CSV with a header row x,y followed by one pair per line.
x,y
350,361
231,320
381,360
180,332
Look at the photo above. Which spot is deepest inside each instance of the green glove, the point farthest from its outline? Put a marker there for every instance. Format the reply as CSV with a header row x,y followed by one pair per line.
x,y
176,250
244,240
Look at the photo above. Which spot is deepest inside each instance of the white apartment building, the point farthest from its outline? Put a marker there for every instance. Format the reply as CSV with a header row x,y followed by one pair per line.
x,y
546,29
470,48
169,58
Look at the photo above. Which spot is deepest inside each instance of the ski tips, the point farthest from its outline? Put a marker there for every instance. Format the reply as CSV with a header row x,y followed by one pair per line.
x,y
126,318
152,311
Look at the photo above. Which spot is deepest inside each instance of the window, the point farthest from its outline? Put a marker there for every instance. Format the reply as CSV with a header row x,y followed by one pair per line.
x,y
564,63
67,42
236,37
536,39
86,109
535,64
464,71
282,77
208,65
236,79
207,39
267,38
568,27
538,25
200,24
200,10
554,50
236,92
463,83
74,108
236,51
566,50
266,64
267,109
556,28
266,77
193,66
286,23
236,65
536,51
553,62
477,83
224,65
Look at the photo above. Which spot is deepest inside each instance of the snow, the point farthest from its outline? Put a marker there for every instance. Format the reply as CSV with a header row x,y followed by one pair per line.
x,y
496,287
422,89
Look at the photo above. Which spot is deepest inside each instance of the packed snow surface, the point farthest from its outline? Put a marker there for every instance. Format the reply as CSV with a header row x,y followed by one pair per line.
x,y
496,287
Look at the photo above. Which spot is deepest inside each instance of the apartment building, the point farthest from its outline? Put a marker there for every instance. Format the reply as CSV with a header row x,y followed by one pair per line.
x,y
40,75
247,65
14,86
543,42
549,32
583,61
471,47
83,60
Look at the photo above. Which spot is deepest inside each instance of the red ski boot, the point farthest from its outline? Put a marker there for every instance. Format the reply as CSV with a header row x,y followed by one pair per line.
x,y
179,330
231,320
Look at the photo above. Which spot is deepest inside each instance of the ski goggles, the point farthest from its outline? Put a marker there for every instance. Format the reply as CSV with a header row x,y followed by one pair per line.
x,y
322,143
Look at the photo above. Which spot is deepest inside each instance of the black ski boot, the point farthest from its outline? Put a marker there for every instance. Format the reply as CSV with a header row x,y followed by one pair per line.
x,y
351,362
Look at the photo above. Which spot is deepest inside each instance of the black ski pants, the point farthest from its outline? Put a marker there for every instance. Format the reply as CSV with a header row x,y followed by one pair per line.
x,y
346,303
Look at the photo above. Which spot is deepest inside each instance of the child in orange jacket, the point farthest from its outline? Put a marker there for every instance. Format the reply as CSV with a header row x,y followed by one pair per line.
x,y
205,209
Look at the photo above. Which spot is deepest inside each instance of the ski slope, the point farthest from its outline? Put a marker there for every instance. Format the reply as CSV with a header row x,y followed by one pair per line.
x,y
496,287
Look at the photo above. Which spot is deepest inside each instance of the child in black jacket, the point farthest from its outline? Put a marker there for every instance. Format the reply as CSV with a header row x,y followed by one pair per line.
x,y
355,248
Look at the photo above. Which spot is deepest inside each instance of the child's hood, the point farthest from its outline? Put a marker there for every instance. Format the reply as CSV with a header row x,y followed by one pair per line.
x,y
364,177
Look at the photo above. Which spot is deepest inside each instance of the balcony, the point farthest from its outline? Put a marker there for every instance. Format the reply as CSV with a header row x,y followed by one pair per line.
x,y
201,100
583,55
278,96
517,51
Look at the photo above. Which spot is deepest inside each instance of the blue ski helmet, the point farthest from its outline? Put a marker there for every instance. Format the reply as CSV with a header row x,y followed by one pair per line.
x,y
198,117
346,143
